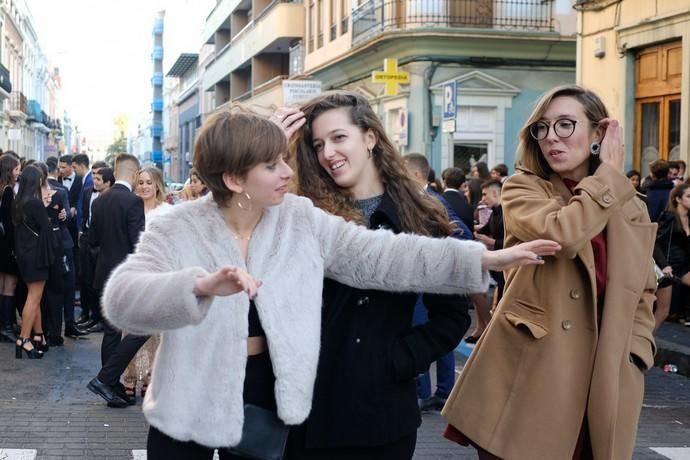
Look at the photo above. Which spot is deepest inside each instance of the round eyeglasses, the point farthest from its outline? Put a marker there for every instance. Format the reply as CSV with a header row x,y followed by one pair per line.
x,y
563,128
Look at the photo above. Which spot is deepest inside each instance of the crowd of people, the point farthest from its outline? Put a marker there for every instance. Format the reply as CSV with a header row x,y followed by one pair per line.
x,y
48,253
325,307
666,192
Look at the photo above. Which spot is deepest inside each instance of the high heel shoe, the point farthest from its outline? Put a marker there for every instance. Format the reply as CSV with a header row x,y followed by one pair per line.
x,y
33,353
41,343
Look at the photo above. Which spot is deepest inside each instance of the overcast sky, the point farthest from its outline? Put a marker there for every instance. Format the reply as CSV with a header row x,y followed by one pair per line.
x,y
103,50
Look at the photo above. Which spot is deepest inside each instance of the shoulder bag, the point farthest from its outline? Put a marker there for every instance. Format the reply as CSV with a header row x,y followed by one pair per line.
x,y
264,435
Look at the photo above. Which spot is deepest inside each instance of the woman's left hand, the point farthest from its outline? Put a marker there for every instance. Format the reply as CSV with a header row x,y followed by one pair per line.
x,y
531,253
612,150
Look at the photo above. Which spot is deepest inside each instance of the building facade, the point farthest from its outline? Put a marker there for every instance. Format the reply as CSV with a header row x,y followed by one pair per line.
x,y
251,42
499,55
30,121
636,55
156,152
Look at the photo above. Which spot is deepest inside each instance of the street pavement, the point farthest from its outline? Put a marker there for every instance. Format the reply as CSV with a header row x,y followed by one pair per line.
x,y
46,412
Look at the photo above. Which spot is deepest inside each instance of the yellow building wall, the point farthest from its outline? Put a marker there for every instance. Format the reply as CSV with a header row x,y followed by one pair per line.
x,y
626,27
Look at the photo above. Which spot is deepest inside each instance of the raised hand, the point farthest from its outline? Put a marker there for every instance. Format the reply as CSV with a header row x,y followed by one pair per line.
x,y
612,151
531,253
228,280
288,118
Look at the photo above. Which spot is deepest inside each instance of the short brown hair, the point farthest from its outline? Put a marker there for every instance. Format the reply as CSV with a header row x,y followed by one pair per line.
x,y
453,177
125,157
233,142
492,183
501,169
659,168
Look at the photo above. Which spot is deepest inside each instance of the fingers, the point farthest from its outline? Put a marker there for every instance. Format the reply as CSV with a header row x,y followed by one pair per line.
x,y
288,118
242,280
541,247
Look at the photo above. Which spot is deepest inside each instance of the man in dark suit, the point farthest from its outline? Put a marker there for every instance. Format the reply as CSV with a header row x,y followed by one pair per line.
x,y
73,183
453,178
90,318
66,302
418,168
117,219
80,164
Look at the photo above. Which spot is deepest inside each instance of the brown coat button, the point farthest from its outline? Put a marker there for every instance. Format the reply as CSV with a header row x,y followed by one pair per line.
x,y
607,198
575,294
566,324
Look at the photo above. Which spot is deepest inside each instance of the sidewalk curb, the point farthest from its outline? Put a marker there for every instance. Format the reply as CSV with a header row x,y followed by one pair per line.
x,y
668,352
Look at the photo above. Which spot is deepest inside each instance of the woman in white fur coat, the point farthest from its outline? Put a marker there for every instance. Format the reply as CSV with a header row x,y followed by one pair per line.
x,y
239,305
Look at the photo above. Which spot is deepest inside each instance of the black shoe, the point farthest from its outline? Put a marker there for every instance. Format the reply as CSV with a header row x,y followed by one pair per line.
x,y
82,320
106,392
7,335
74,331
122,393
34,353
90,323
98,327
41,343
472,339
433,403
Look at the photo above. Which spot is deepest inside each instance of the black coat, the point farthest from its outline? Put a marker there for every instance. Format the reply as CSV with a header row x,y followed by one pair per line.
x,y
117,219
34,242
59,202
74,191
365,392
85,210
672,245
462,208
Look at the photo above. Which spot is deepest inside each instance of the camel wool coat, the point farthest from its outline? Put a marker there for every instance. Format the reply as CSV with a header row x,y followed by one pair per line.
x,y
544,364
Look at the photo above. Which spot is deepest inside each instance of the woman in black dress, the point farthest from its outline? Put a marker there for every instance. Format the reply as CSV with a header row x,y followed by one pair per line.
x,y
10,167
34,253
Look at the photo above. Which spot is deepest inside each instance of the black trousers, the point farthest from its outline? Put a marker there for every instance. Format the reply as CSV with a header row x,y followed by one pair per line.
x,y
88,296
51,303
69,285
258,389
120,356
117,352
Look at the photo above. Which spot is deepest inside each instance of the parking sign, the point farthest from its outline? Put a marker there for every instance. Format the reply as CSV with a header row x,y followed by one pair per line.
x,y
450,101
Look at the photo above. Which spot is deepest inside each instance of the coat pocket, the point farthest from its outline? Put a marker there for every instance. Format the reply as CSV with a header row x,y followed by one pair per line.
x,y
535,328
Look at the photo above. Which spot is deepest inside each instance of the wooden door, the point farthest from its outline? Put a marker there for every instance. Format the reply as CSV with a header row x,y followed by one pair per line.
x,y
657,104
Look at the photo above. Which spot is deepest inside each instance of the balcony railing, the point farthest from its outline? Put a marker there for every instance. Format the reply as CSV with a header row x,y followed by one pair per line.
x,y
376,16
297,59
18,102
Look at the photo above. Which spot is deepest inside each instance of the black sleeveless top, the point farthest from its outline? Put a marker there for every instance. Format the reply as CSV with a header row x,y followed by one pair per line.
x,y
255,328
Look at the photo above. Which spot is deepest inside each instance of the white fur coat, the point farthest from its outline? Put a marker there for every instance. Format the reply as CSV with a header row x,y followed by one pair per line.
x,y
198,376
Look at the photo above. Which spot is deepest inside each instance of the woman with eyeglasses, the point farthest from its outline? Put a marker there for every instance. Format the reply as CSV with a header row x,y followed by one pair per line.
x,y
559,372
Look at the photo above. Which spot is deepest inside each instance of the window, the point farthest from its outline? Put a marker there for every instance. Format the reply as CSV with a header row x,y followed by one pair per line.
x,y
312,23
344,16
334,20
319,23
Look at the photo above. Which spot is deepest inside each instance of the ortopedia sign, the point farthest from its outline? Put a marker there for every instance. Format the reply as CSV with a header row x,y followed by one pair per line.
x,y
298,91
391,76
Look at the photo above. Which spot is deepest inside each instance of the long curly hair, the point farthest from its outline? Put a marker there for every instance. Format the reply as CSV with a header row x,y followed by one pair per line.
x,y
418,212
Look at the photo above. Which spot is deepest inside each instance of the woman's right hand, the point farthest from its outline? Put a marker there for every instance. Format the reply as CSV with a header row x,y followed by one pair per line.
x,y
668,271
289,119
531,253
228,280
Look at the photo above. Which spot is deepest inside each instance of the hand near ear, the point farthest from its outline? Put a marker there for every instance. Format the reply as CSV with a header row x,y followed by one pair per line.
x,y
612,151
